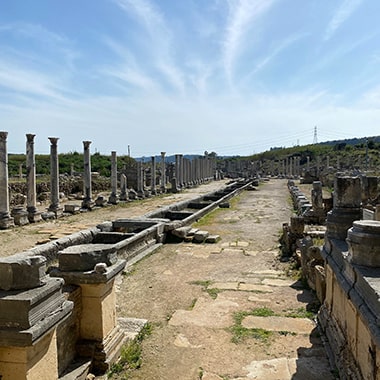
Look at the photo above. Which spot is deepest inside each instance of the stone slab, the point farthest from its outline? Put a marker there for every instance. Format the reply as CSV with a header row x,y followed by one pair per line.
x,y
22,272
255,288
225,285
273,323
84,257
24,338
89,277
277,282
21,309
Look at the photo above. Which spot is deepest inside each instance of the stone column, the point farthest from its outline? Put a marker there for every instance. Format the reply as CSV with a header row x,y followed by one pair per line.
x,y
153,176
177,170
33,214
113,199
181,172
327,162
140,180
308,163
87,202
6,220
163,173
54,176
123,188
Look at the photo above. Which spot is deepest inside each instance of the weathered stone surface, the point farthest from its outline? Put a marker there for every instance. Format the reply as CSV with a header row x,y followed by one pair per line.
x,y
273,323
364,243
181,232
84,257
200,236
22,272
72,209
22,309
212,239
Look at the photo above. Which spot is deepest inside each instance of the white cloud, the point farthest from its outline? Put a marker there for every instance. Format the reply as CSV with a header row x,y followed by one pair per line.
x,y
346,9
240,19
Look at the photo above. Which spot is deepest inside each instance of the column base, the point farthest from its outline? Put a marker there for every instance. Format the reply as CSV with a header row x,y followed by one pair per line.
x,y
6,222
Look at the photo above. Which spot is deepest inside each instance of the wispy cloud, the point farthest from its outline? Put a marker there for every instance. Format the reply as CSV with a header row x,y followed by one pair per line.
x,y
275,52
153,21
241,15
40,38
346,9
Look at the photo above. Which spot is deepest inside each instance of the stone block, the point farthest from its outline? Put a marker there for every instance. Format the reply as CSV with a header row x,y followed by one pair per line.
x,y
365,350
72,209
181,232
21,309
22,272
200,236
84,257
212,239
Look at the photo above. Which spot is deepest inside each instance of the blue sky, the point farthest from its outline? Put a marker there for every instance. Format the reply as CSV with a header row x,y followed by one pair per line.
x,y
184,76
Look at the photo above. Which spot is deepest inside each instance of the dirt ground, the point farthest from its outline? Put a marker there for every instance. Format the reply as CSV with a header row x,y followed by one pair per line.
x,y
219,311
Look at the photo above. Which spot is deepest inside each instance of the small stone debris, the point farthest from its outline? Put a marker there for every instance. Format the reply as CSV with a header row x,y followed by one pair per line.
x,y
225,205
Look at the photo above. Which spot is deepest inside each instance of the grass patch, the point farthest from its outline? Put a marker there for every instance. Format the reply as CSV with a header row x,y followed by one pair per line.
x,y
241,333
301,312
130,356
213,292
193,302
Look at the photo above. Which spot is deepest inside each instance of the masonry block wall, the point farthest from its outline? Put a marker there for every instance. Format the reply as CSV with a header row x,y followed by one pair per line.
x,y
350,311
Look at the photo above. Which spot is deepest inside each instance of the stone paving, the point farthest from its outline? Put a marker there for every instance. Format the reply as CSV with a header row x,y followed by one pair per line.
x,y
239,274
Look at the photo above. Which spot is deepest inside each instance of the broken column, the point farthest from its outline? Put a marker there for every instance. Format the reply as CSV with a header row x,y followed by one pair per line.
x,y
6,220
113,198
123,188
94,267
31,307
87,202
31,202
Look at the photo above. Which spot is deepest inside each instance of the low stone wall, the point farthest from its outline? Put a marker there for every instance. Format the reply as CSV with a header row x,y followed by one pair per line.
x,y
345,274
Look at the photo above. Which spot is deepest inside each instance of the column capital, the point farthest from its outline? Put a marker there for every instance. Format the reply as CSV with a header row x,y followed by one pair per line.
x,y
86,144
53,140
30,137
3,136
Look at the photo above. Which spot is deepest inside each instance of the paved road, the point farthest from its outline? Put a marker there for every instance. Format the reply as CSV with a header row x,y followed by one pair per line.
x,y
227,310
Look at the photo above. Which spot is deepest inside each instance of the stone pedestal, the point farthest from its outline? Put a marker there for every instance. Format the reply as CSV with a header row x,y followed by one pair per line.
x,y
31,307
364,243
20,216
346,207
94,268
